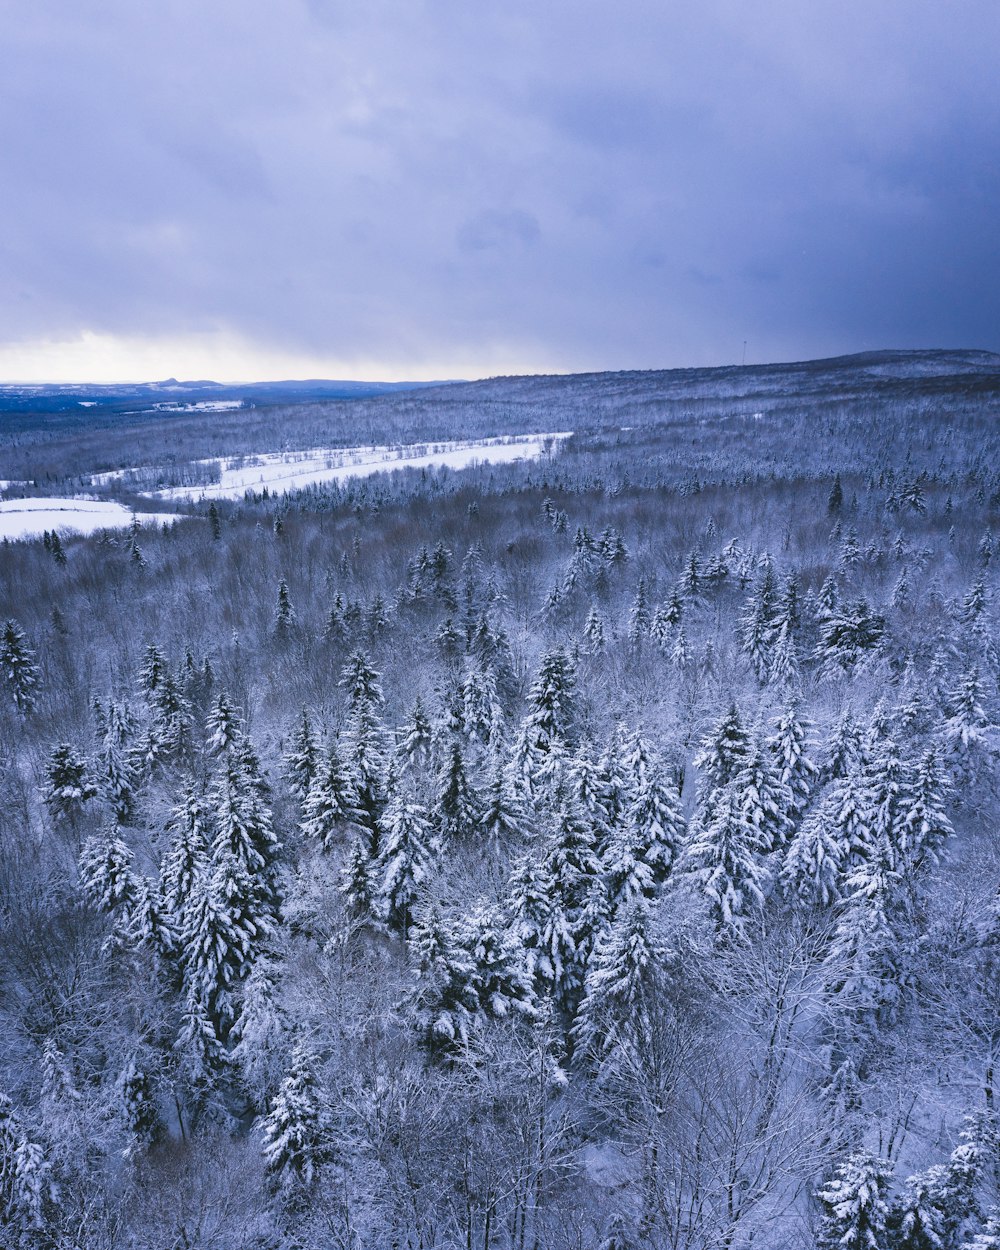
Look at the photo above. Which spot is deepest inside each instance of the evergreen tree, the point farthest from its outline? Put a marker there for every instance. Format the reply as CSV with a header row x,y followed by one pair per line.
x,y
358,884
296,1131
723,859
988,1238
18,666
224,725
115,772
658,821
924,823
258,1032
789,746
765,801
963,730
406,859
169,733
639,615
138,1101
106,876
593,632
573,872
503,820
620,982
187,858
500,976
152,670
366,746
244,832
864,963
27,1189
724,752
457,809
68,783
284,613
445,1001
854,1204
328,808
548,725
415,738
812,868
302,758
482,714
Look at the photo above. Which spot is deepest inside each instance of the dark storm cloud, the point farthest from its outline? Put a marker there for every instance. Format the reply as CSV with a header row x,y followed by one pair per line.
x,y
570,185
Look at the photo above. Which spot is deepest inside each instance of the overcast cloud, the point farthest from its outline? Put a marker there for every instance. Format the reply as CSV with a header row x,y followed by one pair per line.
x,y
395,188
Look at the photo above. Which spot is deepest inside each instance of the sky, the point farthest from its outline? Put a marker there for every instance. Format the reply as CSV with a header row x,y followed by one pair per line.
x,y
416,189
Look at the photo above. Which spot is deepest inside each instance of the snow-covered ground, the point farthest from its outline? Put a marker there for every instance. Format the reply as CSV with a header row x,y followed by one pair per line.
x,y
291,470
29,518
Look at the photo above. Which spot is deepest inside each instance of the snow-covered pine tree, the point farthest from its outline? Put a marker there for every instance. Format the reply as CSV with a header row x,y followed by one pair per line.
x,y
415,738
18,666
328,808
482,713
68,783
757,624
963,731
297,1130
224,725
549,721
501,979
407,856
445,999
639,619
573,870
27,1188
258,1033
115,772
366,746
593,632
503,820
457,808
137,1101
284,613
855,1205
790,745
812,868
988,1237
723,859
149,925
657,819
213,954
358,883
301,760
244,831
106,875
187,857
765,800
863,967
620,979
723,753
924,827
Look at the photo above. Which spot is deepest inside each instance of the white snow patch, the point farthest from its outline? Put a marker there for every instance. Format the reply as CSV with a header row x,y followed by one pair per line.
x,y
201,405
291,470
29,518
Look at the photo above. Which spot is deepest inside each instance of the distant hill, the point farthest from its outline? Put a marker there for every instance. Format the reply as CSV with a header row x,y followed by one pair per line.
x,y
171,395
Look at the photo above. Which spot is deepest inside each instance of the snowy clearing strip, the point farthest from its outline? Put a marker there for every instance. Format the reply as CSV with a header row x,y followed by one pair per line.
x,y
29,518
285,471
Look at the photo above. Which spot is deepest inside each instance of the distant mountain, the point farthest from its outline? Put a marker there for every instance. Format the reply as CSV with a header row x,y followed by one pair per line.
x,y
172,395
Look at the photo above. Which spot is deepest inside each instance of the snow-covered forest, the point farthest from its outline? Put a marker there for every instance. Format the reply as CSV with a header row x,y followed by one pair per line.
x,y
598,852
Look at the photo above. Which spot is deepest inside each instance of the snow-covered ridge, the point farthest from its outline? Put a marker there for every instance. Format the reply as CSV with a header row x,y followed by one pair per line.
x,y
286,471
29,518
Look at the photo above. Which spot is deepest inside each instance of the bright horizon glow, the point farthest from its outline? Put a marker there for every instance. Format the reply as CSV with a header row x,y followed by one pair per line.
x,y
110,359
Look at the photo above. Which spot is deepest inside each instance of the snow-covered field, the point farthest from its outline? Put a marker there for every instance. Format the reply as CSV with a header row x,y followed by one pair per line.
x,y
292,470
28,518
